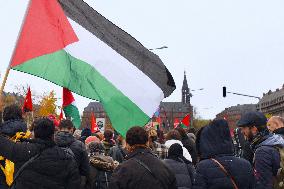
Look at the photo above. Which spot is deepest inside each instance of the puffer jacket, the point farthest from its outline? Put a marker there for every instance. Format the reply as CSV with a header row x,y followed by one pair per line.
x,y
10,128
133,175
184,172
101,171
267,160
66,139
214,141
53,168
189,144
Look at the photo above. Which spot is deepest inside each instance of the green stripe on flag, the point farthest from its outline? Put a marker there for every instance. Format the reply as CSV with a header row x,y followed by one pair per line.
x,y
73,112
78,76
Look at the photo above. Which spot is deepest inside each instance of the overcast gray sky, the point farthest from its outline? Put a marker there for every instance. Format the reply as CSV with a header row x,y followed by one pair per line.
x,y
238,44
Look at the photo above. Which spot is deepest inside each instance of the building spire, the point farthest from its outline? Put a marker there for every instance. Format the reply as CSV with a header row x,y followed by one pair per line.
x,y
185,98
184,85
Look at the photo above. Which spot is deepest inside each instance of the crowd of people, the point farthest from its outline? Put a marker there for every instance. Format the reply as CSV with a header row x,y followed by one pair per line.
x,y
60,157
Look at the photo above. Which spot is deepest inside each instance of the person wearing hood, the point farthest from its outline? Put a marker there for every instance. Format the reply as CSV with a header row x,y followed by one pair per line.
x,y
182,168
15,129
266,155
173,137
188,143
64,138
218,167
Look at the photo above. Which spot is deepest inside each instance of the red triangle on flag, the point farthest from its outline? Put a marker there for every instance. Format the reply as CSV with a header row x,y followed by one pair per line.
x,y
94,127
45,20
67,97
28,104
186,120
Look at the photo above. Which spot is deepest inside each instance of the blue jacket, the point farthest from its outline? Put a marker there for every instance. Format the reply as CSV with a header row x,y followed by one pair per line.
x,y
267,161
214,141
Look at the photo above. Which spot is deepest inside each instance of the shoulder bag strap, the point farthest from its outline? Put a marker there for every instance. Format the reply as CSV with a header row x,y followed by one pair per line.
x,y
19,172
226,172
147,168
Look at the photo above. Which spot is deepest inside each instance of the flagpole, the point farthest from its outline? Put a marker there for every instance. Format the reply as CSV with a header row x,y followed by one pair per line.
x,y
9,65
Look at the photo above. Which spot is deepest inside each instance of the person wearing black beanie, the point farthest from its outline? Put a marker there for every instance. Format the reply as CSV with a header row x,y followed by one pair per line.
x,y
179,165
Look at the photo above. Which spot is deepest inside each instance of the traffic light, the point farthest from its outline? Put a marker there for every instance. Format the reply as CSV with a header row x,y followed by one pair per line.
x,y
224,92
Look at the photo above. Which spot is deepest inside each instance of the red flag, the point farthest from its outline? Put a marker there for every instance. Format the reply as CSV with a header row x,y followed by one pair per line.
x,y
28,104
176,122
159,120
94,127
61,115
186,120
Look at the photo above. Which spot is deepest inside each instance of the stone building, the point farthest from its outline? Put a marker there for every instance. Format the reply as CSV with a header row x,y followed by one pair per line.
x,y
168,111
233,113
272,102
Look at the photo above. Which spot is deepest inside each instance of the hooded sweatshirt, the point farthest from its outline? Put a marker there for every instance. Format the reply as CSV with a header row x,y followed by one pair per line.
x,y
214,141
267,160
185,151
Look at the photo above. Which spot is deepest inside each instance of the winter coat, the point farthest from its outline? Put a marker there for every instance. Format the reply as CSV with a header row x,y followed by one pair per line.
x,y
101,171
186,154
267,161
66,139
279,131
184,172
117,153
214,141
52,169
10,128
189,144
107,146
131,174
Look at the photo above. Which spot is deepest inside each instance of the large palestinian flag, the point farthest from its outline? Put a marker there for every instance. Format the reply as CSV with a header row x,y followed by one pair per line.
x,y
92,57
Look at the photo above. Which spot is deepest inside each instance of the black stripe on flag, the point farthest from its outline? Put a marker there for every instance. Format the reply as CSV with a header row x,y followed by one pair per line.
x,y
120,41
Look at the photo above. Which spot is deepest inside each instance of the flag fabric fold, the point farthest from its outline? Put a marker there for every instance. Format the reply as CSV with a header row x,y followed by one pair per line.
x,y
70,109
28,104
94,58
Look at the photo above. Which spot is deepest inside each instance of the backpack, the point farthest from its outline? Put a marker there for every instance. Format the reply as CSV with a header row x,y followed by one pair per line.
x,y
279,179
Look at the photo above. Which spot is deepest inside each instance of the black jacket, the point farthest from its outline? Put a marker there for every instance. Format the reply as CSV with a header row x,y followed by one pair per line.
x,y
189,144
184,172
53,169
10,128
214,141
132,175
279,131
101,170
66,139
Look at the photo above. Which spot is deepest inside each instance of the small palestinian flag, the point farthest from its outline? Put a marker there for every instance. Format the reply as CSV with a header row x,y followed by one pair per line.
x,y
70,109
185,123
